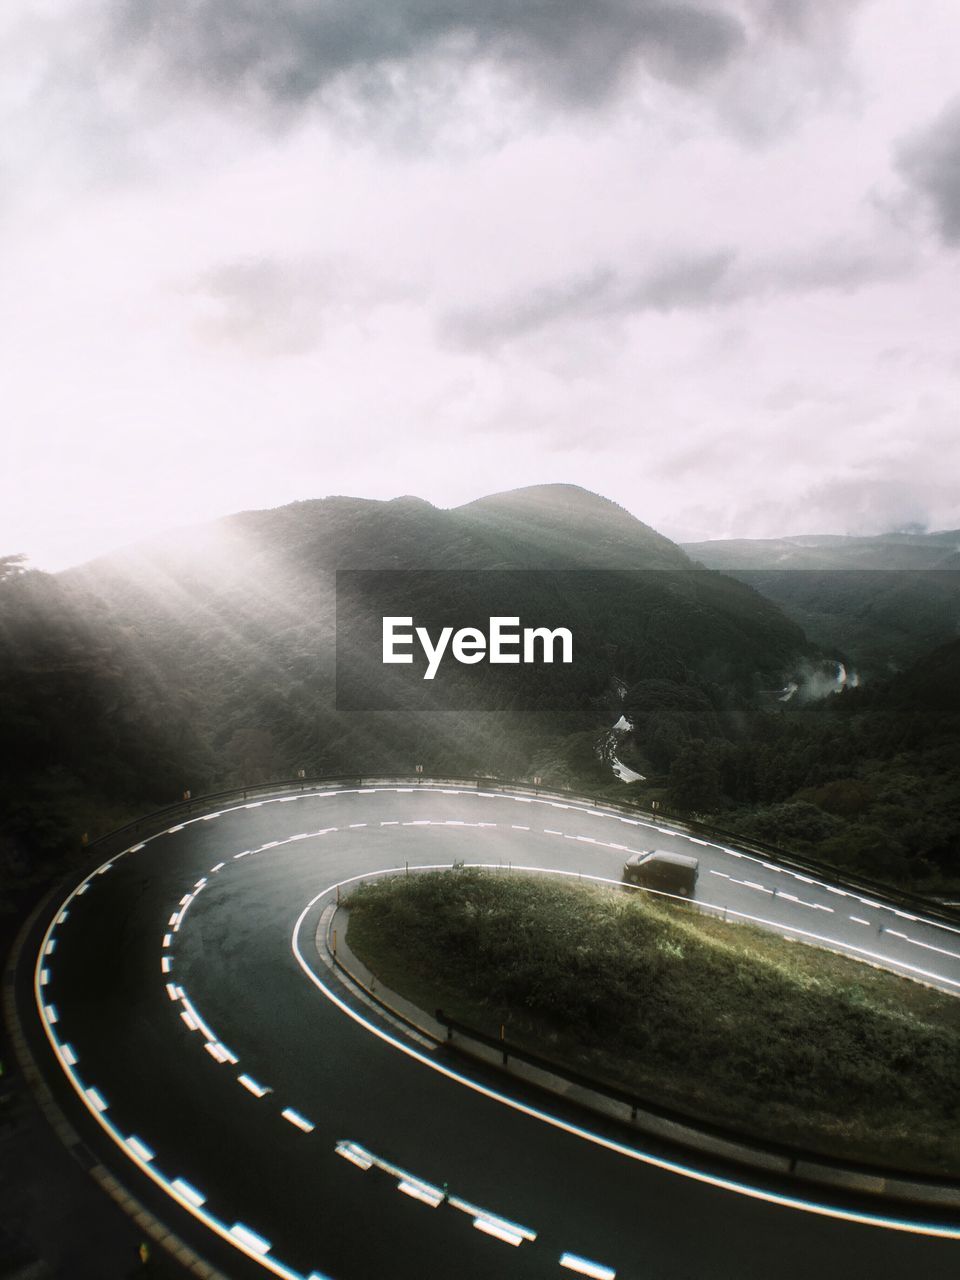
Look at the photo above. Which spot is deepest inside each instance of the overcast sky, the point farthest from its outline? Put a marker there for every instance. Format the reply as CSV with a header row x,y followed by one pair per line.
x,y
701,256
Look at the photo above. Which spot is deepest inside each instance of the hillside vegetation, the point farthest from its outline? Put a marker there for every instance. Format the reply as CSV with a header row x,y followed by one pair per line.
x,y
721,1022
206,659
880,603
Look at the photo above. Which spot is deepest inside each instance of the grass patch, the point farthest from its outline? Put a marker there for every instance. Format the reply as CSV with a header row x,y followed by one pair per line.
x,y
724,1022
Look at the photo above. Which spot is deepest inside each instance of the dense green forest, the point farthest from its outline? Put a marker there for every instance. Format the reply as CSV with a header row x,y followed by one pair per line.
x,y
879,603
207,659
867,779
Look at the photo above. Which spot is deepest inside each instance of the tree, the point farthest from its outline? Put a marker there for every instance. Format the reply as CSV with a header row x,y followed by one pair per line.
x,y
694,782
12,566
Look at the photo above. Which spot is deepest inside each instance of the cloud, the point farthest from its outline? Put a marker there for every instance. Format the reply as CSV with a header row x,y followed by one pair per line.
x,y
273,307
690,282
290,51
266,307
930,162
601,294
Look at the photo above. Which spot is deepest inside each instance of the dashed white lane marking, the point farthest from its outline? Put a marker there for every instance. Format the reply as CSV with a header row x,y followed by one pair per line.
x,y
927,946
421,1191
44,977
355,825
189,1192
516,827
499,1230
51,946
191,1024
250,1238
584,1267
251,1085
140,1149
752,884
166,964
220,1052
167,939
68,1055
297,1119
355,1155
860,920
51,1013
490,1223
195,1016
97,1099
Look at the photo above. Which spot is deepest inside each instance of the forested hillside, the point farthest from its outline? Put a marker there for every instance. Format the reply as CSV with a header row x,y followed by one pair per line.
x,y
880,603
206,659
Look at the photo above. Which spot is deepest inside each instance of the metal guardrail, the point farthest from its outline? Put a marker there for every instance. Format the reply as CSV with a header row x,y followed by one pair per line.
x,y
796,1160
889,894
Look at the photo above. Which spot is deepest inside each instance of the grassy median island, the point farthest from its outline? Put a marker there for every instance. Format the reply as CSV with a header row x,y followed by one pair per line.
x,y
722,1022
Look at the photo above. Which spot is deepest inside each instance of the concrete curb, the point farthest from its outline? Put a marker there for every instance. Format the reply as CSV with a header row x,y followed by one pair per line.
x,y
332,937
146,1221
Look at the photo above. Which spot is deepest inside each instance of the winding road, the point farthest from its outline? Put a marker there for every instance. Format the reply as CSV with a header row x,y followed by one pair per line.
x,y
233,1083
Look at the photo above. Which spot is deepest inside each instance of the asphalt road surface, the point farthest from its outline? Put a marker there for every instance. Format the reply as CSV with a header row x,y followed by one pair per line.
x,y
229,1080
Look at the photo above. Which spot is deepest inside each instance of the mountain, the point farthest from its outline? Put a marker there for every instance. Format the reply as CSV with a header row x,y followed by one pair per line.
x,y
564,526
206,658
886,551
879,602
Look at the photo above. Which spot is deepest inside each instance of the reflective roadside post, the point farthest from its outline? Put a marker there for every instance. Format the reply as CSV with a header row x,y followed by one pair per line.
x,y
536,782
419,769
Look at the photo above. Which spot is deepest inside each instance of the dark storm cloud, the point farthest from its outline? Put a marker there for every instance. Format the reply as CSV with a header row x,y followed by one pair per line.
x,y
689,283
290,51
930,162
